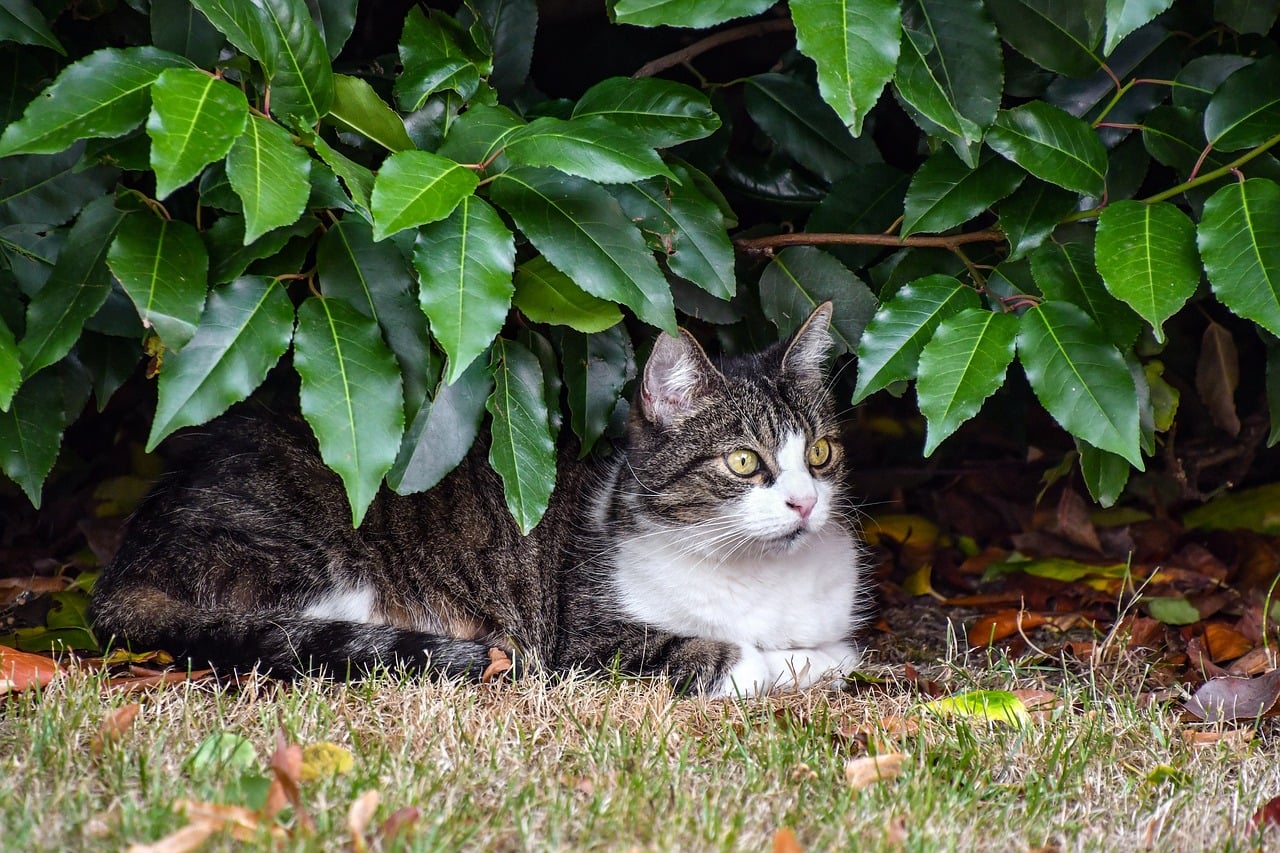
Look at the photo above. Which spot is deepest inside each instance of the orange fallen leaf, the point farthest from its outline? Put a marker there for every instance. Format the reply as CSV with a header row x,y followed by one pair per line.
x,y
1235,739
1268,815
784,841
861,772
359,815
132,684
1225,643
113,727
188,838
286,766
1004,623
23,670
1040,704
244,824
399,823
498,664
1255,662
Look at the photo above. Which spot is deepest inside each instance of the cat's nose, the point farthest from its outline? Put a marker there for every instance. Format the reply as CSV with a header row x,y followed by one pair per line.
x,y
803,505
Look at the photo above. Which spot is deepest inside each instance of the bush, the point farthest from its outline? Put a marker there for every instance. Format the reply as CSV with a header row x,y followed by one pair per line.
x,y
206,187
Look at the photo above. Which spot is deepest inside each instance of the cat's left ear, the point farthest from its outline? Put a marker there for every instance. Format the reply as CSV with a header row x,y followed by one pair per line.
x,y
806,353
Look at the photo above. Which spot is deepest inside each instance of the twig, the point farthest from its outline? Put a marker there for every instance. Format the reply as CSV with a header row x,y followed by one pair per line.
x,y
766,245
746,31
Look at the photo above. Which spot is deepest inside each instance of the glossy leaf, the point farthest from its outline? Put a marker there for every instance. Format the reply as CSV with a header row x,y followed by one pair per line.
x,y
194,120
465,264
1125,16
803,125
104,94
442,432
869,200
1061,35
596,367
1105,474
433,62
1080,378
1147,256
357,179
296,61
358,109
593,148
1052,145
21,22
660,113
522,451
413,188
1239,238
1066,273
335,20
1247,16
945,192
270,174
1245,110
960,367
511,25
582,230
1031,214
679,13
546,295
245,328
31,432
855,45
10,366
890,347
350,395
163,265
801,278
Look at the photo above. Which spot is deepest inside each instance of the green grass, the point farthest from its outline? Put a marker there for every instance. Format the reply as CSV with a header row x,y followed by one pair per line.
x,y
584,764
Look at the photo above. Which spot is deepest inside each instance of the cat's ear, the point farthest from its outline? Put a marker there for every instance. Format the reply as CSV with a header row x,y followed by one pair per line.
x,y
677,374
806,353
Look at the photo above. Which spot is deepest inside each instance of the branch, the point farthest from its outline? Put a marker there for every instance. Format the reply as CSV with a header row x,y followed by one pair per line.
x,y
746,31
1216,173
766,245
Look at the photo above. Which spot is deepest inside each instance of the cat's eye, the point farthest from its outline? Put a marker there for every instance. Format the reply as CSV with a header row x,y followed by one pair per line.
x,y
819,453
742,462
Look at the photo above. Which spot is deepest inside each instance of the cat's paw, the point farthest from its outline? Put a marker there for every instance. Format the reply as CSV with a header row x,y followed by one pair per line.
x,y
750,676
796,669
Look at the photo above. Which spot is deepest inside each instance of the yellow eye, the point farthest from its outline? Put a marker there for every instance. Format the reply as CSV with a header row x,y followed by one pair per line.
x,y
819,453
742,462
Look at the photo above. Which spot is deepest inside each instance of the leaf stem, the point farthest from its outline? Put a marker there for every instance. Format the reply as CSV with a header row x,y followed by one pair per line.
x,y
680,57
766,245
1213,175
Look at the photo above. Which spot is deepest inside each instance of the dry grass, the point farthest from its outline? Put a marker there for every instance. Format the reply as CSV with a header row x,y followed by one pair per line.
x,y
585,764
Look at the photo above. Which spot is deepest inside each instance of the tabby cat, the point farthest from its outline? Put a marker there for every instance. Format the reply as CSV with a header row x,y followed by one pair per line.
x,y
713,547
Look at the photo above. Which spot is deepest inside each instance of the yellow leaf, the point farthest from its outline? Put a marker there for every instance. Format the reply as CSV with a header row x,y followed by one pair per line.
x,y
999,706
324,759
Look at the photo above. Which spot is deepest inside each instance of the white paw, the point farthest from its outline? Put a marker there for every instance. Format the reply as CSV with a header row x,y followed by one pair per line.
x,y
797,669
750,676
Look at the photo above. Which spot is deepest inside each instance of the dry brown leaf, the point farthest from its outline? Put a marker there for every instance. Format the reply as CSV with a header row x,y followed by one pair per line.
x,y
132,684
1217,375
113,727
1225,643
1040,704
1005,623
784,841
1235,739
1268,815
190,837
275,800
359,816
24,670
498,664
1229,698
399,823
286,765
243,824
861,772
1255,662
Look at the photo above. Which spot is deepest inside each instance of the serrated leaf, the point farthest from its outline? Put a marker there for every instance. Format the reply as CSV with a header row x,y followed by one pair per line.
x,y
1105,474
889,350
855,45
960,367
442,432
1245,109
546,295
413,188
229,257
511,25
800,123
103,94
31,432
1125,16
582,230
164,267
357,108
522,451
21,22
478,135
1147,256
1066,273
1080,378
596,367
245,328
350,395
194,120
76,289
40,189
10,366
660,113
678,13
465,264
593,148
945,192
1239,239
270,174
357,179
1031,214
296,61
800,278
687,227
1061,35
335,20
433,62
1052,145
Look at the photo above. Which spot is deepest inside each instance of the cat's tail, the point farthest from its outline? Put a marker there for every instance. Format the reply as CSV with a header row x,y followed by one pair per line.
x,y
280,643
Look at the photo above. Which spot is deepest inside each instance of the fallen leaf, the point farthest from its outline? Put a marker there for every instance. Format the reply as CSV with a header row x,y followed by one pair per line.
x,y
861,772
188,838
359,816
286,765
113,727
1234,739
400,822
1229,698
1224,643
920,582
998,706
498,664
1217,375
1268,815
1040,704
242,823
222,749
23,670
134,683
895,831
1163,773
784,841
1255,662
324,760
1172,610
1005,623
877,735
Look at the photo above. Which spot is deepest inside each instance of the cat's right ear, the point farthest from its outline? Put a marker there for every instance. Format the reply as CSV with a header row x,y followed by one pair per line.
x,y
677,374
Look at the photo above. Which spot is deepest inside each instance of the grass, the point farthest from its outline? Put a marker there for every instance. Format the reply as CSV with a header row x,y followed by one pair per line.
x,y
585,764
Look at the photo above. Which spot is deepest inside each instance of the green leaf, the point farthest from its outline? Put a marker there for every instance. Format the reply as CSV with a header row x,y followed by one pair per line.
x,y
855,46
270,174
1060,35
1052,145
433,62
179,27
659,113
1239,238
801,278
799,122
357,108
357,179
49,189
1105,474
10,367
163,266
1066,273
1245,110
997,706
868,200
592,148
221,751
1125,16
963,365
245,328
31,432
522,451
229,257
1171,611
104,94
687,227
443,431
241,22
1080,378
890,347
679,13
350,395
335,20
478,136
111,360
21,22
950,67
296,61
596,367
414,188
582,230
465,264
546,295
194,120
945,192
510,25
1031,214
76,289
1247,16
1147,257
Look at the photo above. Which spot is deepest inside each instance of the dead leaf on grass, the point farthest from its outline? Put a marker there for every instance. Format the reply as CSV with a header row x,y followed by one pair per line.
x,y
498,664
324,760
1004,623
286,766
1255,662
1228,698
399,823
359,816
861,772
1268,815
1225,644
134,683
23,670
877,736
242,823
784,841
188,838
1234,739
113,727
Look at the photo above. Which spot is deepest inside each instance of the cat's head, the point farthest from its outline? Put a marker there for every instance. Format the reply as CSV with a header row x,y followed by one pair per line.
x,y
746,454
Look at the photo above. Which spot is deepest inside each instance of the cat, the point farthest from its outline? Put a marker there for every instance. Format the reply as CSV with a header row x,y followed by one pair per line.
x,y
714,547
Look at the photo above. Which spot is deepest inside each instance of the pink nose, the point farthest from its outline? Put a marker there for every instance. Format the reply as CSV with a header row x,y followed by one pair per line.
x,y
803,506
